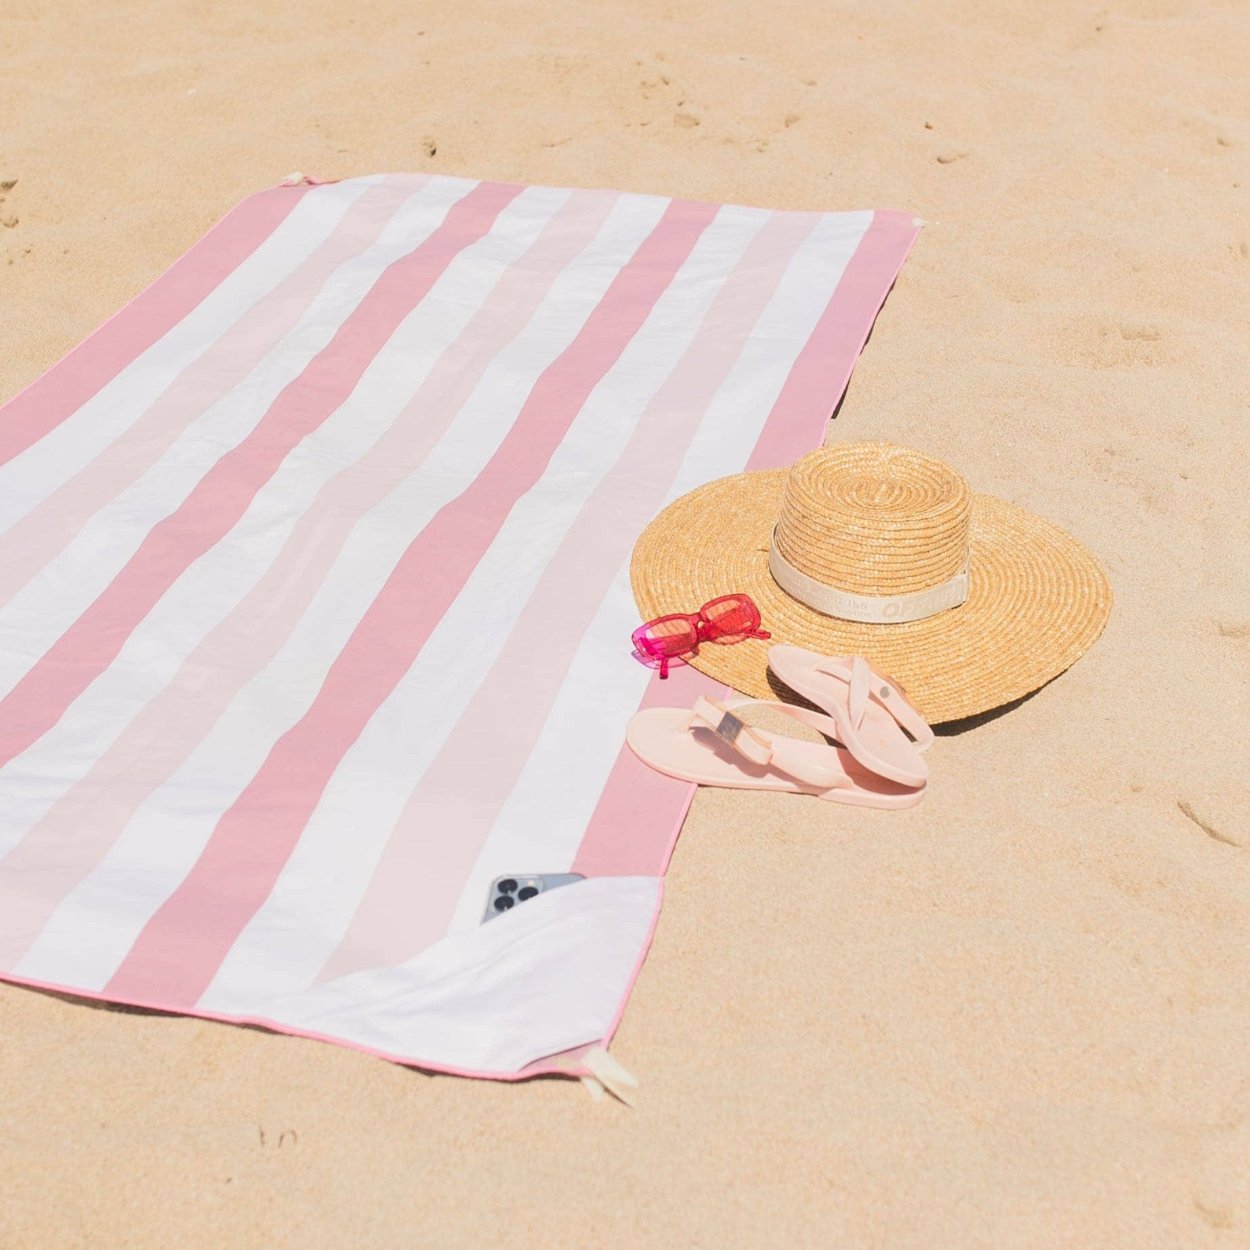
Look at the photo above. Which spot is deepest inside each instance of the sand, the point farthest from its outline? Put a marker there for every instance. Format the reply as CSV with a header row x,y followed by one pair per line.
x,y
1015,1017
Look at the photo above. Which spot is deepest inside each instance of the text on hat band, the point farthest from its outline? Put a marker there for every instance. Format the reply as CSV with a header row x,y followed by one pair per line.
x,y
867,609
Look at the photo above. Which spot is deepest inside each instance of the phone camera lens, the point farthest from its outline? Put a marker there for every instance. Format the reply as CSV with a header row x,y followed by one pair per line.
x,y
504,902
507,886
527,892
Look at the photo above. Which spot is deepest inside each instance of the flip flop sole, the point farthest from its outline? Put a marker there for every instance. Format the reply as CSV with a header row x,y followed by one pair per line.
x,y
663,739
879,743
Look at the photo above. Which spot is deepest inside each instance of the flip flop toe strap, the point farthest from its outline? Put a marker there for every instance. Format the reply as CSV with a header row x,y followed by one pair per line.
x,y
884,690
815,764
867,684
731,730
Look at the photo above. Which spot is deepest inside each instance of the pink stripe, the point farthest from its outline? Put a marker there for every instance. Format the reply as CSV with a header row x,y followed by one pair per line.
x,y
820,374
62,848
180,949
222,496
635,824
95,362
640,812
28,546
413,893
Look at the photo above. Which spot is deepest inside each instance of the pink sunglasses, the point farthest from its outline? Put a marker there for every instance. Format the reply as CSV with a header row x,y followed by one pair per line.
x,y
668,639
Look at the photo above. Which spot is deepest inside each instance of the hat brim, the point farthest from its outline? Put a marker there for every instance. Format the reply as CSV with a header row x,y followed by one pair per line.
x,y
1037,601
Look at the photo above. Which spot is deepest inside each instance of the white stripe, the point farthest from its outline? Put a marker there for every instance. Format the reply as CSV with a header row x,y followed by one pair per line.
x,y
724,442
160,844
407,732
547,812
50,603
29,478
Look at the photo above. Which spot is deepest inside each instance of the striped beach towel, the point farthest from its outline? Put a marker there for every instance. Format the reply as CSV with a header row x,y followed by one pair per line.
x,y
314,607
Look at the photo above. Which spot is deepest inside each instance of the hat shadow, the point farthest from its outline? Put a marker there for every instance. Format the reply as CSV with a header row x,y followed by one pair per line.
x,y
952,728
944,729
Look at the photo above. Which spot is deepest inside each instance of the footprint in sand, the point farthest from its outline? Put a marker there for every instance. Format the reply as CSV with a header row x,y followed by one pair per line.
x,y
1216,1214
1212,831
1109,345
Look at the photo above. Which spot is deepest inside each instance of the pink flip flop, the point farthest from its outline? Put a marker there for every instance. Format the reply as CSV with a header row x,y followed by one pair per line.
x,y
873,717
711,745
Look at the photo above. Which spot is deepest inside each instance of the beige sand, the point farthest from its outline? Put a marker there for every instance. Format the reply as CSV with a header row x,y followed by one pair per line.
x,y
1016,1017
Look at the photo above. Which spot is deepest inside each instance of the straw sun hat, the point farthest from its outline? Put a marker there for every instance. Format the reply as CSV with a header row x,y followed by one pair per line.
x,y
967,601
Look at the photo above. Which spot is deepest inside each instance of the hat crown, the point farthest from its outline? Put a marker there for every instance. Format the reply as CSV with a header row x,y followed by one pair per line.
x,y
875,519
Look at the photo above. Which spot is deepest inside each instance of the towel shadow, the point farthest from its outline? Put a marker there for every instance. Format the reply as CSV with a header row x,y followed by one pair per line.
x,y
130,1009
97,1004
837,408
100,1004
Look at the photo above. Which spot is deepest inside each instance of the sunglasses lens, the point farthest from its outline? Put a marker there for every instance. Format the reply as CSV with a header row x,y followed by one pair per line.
x,y
666,638
732,618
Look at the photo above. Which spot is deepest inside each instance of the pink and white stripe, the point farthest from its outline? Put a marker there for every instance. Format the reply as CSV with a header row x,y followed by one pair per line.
x,y
314,603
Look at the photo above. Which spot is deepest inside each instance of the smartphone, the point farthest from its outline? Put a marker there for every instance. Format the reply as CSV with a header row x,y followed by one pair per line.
x,y
507,892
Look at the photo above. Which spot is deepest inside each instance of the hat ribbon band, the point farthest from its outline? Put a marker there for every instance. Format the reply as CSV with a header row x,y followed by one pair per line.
x,y
867,609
